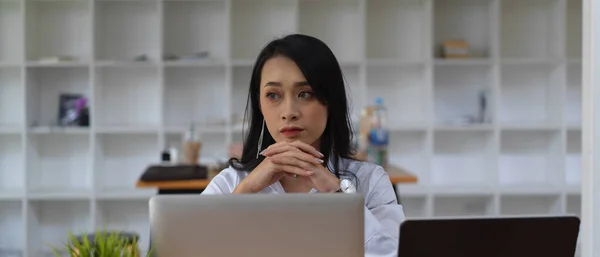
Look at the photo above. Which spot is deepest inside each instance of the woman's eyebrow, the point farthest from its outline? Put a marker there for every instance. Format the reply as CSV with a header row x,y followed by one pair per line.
x,y
278,84
301,84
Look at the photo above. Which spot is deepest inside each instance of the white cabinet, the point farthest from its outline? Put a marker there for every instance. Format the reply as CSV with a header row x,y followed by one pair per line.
x,y
150,67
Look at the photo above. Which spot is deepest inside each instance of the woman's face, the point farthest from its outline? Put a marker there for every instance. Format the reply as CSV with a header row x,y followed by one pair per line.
x,y
291,110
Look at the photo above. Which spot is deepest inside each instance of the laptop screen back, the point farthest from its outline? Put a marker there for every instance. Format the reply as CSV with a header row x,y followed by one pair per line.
x,y
490,237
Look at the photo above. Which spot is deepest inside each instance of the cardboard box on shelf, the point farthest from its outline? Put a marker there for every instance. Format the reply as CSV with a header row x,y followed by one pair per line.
x,y
455,49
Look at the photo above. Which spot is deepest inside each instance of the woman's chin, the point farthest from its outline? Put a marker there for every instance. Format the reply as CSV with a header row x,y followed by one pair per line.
x,y
314,143
291,139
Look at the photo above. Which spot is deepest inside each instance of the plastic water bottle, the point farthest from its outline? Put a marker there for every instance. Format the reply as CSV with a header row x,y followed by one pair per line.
x,y
378,135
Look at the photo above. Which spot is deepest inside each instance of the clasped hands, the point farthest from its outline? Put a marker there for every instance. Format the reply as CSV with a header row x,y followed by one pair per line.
x,y
295,159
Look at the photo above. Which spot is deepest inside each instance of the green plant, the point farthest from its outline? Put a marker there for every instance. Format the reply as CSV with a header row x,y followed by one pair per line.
x,y
105,244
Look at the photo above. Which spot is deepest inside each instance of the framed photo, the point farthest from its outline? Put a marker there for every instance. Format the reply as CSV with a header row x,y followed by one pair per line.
x,y
72,110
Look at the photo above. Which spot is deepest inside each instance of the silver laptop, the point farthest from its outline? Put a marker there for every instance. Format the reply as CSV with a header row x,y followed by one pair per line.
x,y
266,225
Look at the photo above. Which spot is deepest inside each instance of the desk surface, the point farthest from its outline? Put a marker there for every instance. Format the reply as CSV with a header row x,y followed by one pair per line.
x,y
397,176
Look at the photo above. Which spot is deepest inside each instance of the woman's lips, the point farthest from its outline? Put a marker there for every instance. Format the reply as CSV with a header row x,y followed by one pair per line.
x,y
291,131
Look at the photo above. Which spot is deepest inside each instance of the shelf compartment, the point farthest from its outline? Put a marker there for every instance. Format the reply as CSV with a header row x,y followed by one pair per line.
x,y
175,139
255,23
127,194
574,205
11,98
530,205
404,92
453,206
214,147
12,228
573,161
11,43
191,92
239,91
463,158
462,95
530,158
59,130
12,171
530,29
475,61
12,239
122,158
414,207
58,28
467,20
409,150
126,30
127,97
49,224
44,87
237,137
58,163
389,22
193,27
573,101
531,94
335,23
574,28
125,216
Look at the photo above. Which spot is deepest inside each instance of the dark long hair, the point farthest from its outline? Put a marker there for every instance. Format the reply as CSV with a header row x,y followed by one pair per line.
x,y
324,74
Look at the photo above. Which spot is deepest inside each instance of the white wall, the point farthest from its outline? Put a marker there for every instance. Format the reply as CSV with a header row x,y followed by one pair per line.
x,y
590,197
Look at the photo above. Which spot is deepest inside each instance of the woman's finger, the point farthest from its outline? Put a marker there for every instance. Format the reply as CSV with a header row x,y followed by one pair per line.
x,y
292,169
270,147
276,149
307,180
302,156
294,146
307,148
304,179
292,161
271,151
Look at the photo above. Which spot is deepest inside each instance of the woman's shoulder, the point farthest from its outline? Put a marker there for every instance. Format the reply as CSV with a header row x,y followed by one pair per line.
x,y
368,174
372,181
362,168
230,174
225,181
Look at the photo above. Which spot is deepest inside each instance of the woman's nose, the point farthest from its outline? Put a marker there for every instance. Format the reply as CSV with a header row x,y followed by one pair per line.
x,y
290,111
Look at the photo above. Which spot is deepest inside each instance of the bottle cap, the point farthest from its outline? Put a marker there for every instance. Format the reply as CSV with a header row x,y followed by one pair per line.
x,y
379,100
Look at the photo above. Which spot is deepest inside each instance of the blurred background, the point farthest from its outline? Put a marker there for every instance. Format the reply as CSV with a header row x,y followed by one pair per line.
x,y
482,101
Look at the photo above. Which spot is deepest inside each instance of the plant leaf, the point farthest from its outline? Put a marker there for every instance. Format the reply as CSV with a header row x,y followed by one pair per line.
x,y
105,244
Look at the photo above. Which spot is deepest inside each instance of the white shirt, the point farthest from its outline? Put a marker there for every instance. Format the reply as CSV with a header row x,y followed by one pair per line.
x,y
383,214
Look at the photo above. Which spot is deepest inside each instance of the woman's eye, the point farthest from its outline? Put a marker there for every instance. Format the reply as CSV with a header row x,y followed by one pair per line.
x,y
305,94
272,95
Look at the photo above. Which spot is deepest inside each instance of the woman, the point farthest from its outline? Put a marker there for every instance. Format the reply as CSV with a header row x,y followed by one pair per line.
x,y
299,140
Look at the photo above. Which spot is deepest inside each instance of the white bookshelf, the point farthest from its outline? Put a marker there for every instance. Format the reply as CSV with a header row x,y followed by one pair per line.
x,y
524,158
